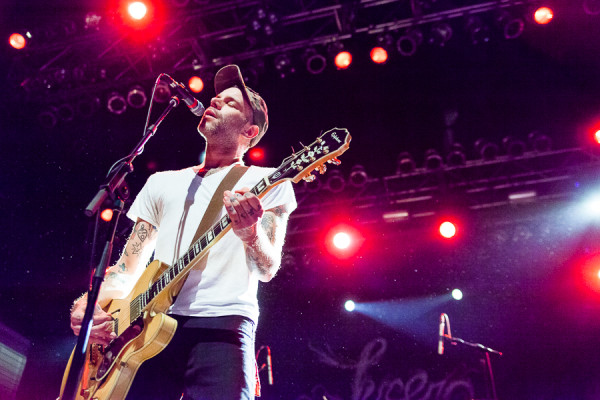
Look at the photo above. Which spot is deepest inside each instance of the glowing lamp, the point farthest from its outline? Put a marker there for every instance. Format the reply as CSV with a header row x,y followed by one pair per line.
x,y
447,229
343,60
137,10
196,84
256,154
597,136
106,214
342,240
379,55
17,41
349,305
457,294
543,15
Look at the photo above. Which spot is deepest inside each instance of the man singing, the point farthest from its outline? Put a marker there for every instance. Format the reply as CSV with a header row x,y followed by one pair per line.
x,y
211,356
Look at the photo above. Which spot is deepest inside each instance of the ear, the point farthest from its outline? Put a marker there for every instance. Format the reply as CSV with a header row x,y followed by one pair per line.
x,y
251,132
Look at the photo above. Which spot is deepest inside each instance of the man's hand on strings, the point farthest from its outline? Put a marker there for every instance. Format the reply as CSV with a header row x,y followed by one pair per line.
x,y
244,209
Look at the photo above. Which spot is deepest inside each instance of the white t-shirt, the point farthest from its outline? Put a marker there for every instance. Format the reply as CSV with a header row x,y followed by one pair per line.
x,y
174,202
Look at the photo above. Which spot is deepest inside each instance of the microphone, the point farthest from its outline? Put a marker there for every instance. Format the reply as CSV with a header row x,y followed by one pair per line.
x,y
269,366
441,335
184,95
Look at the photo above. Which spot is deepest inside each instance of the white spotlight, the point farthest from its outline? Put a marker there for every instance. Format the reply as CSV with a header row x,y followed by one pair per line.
x,y
349,305
457,294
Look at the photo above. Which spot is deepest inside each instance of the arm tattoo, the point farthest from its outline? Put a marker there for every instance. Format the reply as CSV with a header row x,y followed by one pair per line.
x,y
268,224
122,267
264,252
142,232
136,248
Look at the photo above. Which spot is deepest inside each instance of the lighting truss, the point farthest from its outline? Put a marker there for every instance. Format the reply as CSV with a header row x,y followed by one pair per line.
x,y
534,179
206,35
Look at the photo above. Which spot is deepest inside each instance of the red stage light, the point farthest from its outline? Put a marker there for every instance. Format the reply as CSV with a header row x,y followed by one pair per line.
x,y
589,272
343,60
543,15
106,214
256,154
597,136
447,229
143,16
379,55
137,10
17,41
343,241
196,84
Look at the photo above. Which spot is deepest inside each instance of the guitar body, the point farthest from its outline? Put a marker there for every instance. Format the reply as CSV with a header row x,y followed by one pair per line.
x,y
109,371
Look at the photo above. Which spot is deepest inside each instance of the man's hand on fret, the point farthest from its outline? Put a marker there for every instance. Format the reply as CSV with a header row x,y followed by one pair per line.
x,y
244,209
102,325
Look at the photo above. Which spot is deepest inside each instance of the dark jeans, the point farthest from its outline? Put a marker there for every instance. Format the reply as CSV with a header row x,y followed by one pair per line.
x,y
209,358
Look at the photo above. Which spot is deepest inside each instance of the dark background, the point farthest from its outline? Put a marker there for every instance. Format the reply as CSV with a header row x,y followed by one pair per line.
x,y
520,267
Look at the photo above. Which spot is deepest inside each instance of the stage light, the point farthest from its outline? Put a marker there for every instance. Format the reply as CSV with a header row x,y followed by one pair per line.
x,y
116,103
539,142
405,164
512,27
433,161
358,177
315,62
106,214
592,206
196,84
447,229
343,60
342,240
379,55
47,118
513,147
349,305
136,97
17,41
597,136
543,15
408,43
487,150
335,182
457,294
256,154
440,34
456,157
137,10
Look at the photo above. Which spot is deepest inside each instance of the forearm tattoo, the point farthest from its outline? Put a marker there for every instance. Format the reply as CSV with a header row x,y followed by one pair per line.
x,y
264,251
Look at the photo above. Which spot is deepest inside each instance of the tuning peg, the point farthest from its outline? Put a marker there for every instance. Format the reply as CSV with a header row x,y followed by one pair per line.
x,y
334,161
309,178
322,168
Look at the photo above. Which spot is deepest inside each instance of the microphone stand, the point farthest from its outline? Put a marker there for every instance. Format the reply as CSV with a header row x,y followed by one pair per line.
x,y
488,364
115,189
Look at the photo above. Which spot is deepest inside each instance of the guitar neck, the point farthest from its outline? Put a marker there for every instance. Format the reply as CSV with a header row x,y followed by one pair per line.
x,y
183,265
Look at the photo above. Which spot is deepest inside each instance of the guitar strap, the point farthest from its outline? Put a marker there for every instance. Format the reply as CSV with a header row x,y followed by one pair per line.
x,y
213,210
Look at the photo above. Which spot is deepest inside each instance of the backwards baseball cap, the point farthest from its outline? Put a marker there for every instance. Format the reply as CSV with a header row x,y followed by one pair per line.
x,y
230,76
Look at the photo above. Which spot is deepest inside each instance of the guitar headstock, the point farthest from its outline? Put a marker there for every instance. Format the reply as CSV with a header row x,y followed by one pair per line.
x,y
325,149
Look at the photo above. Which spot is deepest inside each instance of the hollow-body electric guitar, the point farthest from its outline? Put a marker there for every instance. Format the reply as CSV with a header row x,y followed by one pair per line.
x,y
140,321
